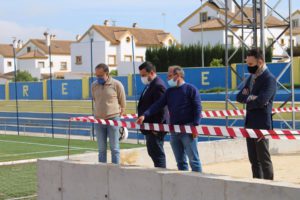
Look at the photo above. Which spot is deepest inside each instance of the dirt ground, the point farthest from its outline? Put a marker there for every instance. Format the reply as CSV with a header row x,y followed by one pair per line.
x,y
286,168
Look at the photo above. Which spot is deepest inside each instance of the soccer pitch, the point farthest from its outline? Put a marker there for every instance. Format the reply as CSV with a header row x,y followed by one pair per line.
x,y
19,180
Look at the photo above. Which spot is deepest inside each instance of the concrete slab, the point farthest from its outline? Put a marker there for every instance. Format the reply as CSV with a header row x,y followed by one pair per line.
x,y
260,189
134,183
84,181
49,179
191,186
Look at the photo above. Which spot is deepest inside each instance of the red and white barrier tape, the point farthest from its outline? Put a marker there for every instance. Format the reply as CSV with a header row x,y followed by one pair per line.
x,y
227,113
233,132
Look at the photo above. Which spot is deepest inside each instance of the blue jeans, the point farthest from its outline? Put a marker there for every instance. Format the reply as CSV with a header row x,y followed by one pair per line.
x,y
183,146
112,132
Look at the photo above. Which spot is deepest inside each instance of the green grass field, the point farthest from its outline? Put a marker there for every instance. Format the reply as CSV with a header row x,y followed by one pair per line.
x,y
13,147
20,180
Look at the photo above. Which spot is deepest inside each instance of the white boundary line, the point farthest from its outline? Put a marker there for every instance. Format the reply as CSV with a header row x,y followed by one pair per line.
x,y
38,152
49,145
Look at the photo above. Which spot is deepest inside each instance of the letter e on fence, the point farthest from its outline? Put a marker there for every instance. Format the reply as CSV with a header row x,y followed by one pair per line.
x,y
204,78
64,89
25,90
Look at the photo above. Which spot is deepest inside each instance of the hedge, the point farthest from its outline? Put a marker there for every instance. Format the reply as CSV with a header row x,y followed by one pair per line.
x,y
190,56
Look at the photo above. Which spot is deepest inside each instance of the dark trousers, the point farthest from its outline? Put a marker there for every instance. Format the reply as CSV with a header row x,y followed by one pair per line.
x,y
260,158
155,148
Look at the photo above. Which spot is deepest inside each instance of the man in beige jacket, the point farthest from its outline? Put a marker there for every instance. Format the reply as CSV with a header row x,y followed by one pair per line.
x,y
110,100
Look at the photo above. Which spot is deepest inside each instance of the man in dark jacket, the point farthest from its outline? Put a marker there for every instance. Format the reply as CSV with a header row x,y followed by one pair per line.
x,y
258,94
154,89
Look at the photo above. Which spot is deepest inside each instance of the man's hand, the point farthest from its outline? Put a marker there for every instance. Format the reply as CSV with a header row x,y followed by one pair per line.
x,y
140,120
245,91
122,111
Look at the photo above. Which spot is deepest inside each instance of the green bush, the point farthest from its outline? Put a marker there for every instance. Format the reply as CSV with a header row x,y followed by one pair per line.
x,y
216,62
113,73
24,76
191,56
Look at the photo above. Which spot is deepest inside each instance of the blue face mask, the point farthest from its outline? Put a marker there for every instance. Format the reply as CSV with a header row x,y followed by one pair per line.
x,y
172,83
101,81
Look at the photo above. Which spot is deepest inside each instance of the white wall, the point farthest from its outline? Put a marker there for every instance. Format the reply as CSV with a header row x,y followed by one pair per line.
x,y
4,68
31,66
57,59
1,64
83,49
187,36
125,68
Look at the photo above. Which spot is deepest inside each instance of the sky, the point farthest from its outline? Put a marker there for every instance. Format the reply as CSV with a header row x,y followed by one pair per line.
x,y
25,19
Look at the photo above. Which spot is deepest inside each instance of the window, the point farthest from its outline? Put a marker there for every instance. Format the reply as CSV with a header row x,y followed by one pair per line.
x,y
41,64
282,41
293,42
128,39
295,23
203,17
63,66
127,58
112,60
270,41
230,40
170,42
139,59
78,60
28,49
9,64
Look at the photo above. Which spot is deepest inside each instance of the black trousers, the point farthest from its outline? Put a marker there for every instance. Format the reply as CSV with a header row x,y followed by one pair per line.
x,y
155,148
260,158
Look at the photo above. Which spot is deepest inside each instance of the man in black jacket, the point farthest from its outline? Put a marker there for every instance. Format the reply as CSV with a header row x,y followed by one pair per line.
x,y
154,89
258,94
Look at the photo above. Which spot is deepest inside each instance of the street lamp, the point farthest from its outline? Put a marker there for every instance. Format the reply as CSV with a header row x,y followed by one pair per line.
x,y
16,44
91,36
48,38
202,43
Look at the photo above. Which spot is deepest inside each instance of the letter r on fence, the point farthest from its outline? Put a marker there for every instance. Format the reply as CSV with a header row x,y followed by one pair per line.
x,y
25,90
64,89
204,78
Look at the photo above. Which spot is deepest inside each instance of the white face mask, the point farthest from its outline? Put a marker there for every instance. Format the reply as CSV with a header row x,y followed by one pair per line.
x,y
145,80
172,83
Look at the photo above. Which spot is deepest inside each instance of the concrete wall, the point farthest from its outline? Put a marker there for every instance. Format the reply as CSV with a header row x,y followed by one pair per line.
x,y
74,180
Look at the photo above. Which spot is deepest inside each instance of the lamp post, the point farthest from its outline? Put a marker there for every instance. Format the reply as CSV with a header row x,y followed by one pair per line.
x,y
91,36
16,44
48,38
202,43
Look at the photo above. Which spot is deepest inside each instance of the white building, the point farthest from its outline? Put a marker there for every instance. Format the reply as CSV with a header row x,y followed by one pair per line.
x,y
296,26
6,59
34,58
112,45
211,19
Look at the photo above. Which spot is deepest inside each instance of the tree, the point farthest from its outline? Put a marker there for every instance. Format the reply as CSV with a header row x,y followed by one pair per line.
x,y
24,76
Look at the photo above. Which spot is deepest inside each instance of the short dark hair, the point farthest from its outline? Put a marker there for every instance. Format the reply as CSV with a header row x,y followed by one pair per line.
x,y
103,66
257,53
148,66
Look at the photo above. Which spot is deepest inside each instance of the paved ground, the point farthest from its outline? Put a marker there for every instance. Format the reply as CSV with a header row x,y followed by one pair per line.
x,y
286,168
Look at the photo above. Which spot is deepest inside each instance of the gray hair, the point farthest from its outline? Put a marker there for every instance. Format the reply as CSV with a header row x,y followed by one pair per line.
x,y
177,70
